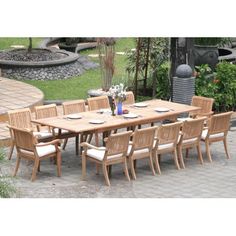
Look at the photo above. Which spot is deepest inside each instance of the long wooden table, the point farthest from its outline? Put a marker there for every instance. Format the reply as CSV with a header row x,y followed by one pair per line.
x,y
145,115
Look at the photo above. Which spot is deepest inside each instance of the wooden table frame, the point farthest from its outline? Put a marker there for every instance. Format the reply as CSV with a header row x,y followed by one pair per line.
x,y
146,115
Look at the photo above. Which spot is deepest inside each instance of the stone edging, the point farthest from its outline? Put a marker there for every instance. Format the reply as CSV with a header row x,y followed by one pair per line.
x,y
71,57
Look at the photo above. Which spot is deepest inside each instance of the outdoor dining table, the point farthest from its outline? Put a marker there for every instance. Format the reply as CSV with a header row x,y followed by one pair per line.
x,y
99,121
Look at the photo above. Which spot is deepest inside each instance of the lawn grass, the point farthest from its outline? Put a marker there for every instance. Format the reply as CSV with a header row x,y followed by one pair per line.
x,y
6,43
77,87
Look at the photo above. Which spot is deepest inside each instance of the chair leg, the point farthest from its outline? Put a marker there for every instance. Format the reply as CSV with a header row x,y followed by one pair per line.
x,y
159,158
17,165
35,168
83,166
126,170
58,164
105,173
65,143
39,167
226,148
208,151
199,153
180,157
131,161
11,150
156,162
151,164
176,160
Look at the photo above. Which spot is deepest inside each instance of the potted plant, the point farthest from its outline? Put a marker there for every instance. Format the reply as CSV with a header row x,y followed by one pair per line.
x,y
206,51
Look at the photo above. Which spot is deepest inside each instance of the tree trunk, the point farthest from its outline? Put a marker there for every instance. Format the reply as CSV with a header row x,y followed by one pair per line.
x,y
30,45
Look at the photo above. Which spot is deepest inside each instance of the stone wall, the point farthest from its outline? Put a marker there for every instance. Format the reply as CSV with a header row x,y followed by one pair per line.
x,y
56,72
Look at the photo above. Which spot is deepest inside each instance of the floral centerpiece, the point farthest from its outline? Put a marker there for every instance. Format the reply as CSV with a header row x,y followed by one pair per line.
x,y
118,93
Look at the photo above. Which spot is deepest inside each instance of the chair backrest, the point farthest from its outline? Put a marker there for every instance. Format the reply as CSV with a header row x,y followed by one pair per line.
x,y
205,104
46,111
193,128
144,138
96,103
75,106
118,143
168,133
129,98
20,118
24,139
220,123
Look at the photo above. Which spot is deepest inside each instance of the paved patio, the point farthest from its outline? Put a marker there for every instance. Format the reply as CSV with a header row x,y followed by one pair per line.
x,y
216,180
13,96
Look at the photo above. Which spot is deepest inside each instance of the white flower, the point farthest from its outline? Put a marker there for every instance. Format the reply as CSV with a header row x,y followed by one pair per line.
x,y
118,92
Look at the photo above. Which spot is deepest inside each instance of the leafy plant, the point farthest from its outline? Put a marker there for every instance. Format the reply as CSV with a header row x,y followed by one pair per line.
x,y
157,55
6,186
163,83
211,41
220,85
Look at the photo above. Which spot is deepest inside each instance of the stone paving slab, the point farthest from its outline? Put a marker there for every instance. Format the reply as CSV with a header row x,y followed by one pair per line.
x,y
16,94
211,180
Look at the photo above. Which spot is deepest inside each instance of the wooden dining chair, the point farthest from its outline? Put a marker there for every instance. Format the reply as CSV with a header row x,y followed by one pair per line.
x,y
47,111
190,137
27,147
204,103
96,103
129,98
141,147
114,152
74,107
217,131
166,142
21,118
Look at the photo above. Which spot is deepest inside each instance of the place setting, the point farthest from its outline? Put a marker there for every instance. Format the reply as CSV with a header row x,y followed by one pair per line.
x,y
162,109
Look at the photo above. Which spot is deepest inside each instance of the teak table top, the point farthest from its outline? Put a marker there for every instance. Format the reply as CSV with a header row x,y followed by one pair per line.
x,y
145,115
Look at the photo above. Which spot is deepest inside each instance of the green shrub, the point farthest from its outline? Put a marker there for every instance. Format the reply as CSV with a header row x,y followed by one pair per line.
x,y
220,85
6,186
163,83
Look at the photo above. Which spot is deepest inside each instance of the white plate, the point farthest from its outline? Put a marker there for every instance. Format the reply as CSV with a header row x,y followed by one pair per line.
x,y
141,104
96,121
161,109
74,116
130,115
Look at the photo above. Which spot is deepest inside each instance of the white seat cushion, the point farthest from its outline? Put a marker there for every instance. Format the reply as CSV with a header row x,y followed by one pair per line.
x,y
41,151
144,150
45,150
191,140
165,146
218,135
184,119
42,134
99,154
187,140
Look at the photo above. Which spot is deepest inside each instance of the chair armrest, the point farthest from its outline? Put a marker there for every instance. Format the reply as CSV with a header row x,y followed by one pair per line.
x,y
53,142
24,129
88,145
